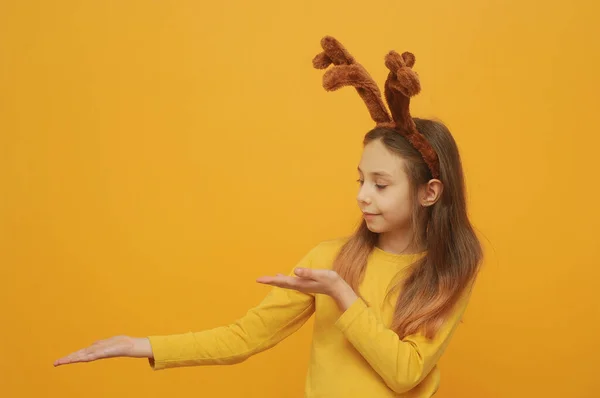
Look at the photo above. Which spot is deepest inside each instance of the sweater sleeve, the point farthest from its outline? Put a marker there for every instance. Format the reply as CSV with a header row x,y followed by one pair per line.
x,y
402,363
281,313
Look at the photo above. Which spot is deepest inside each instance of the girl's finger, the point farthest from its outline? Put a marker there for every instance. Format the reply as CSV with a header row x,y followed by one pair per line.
x,y
279,278
305,273
78,356
265,279
65,360
84,355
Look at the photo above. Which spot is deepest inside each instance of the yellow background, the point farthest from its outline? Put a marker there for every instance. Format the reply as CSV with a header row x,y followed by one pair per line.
x,y
157,157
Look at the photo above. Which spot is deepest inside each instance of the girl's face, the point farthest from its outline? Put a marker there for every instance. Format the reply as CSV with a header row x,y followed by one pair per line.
x,y
384,196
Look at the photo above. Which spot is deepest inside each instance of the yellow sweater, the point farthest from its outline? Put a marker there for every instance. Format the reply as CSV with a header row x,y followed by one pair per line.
x,y
354,353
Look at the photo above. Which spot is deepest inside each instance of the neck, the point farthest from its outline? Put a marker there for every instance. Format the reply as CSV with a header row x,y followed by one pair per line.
x,y
398,242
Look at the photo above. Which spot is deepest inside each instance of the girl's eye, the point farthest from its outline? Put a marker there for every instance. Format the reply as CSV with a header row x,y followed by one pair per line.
x,y
378,186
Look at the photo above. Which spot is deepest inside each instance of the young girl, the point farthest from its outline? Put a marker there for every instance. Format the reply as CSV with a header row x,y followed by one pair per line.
x,y
386,299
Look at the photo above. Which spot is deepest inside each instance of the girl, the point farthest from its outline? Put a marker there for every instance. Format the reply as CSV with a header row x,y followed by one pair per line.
x,y
386,299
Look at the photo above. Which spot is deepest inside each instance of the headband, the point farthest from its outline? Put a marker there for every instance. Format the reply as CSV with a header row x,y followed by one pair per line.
x,y
401,84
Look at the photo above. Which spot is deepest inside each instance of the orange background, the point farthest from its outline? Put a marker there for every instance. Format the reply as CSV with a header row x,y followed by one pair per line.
x,y
156,157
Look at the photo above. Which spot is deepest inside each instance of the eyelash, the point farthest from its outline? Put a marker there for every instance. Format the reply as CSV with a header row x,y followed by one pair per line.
x,y
380,187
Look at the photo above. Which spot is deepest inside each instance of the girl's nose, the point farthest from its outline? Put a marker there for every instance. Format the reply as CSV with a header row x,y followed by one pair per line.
x,y
362,198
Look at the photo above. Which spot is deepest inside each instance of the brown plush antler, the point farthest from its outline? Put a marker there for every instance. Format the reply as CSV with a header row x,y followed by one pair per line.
x,y
347,72
401,84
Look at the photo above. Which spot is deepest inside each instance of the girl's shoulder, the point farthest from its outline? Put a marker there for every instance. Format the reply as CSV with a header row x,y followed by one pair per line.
x,y
335,243
325,252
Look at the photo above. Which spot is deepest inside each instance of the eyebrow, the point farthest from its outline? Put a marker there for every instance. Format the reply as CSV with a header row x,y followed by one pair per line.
x,y
377,173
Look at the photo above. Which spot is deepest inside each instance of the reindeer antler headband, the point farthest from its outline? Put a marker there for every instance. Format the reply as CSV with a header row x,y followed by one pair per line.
x,y
401,84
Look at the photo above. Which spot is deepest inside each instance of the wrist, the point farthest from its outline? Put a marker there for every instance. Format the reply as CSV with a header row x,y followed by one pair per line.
x,y
141,348
344,295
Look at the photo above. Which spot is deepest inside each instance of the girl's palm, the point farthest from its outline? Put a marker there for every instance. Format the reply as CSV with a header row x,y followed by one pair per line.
x,y
118,346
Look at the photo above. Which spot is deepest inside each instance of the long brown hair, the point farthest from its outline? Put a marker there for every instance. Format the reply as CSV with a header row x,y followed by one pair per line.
x,y
453,252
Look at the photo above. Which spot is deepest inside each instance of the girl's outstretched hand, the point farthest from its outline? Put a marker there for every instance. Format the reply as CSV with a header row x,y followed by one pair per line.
x,y
118,346
320,281
307,280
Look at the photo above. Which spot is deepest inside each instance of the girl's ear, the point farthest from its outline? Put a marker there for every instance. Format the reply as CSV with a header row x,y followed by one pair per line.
x,y
431,192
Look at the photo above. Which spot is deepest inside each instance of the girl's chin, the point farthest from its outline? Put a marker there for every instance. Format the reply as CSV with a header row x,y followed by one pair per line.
x,y
375,227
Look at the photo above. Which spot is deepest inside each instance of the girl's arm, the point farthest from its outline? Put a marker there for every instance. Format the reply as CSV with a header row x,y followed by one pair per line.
x,y
280,314
402,363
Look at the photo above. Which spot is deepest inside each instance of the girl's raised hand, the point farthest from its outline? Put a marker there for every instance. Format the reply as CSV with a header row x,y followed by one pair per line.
x,y
118,346
307,280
